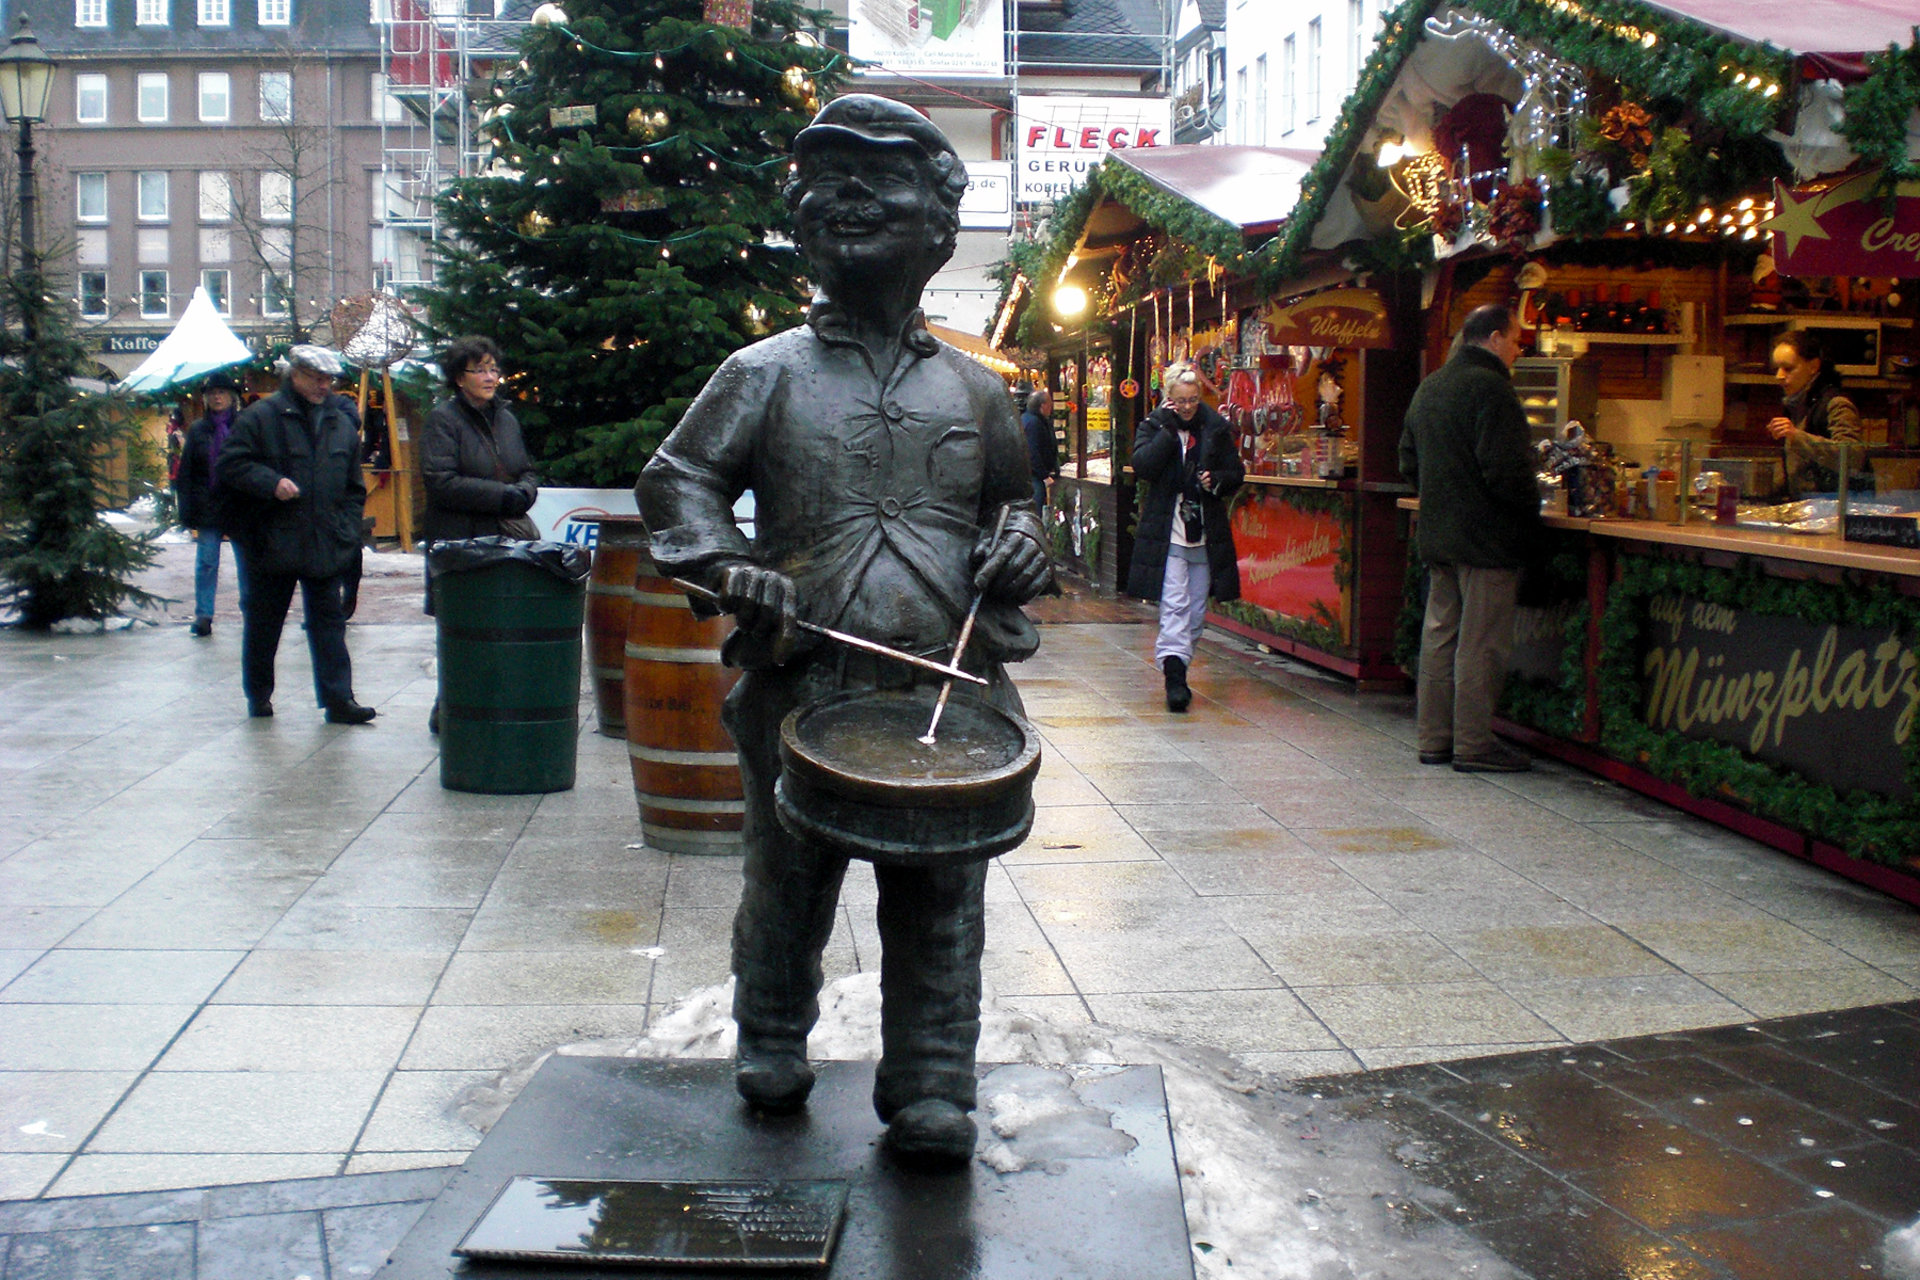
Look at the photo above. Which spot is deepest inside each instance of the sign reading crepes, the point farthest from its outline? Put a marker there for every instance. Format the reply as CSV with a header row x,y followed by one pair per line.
x,y
1834,704
1335,318
1847,229
1062,137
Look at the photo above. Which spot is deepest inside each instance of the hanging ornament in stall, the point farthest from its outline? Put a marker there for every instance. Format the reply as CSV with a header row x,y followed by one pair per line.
x,y
1128,387
1156,345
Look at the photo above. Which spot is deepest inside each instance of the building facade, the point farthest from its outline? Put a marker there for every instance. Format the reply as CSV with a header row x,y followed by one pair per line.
x,y
1291,65
228,145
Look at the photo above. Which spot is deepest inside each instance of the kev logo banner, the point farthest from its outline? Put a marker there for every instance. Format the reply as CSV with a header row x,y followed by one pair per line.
x,y
1290,559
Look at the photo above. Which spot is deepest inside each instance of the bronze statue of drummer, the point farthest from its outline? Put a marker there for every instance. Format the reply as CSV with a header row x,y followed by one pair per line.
x,y
880,462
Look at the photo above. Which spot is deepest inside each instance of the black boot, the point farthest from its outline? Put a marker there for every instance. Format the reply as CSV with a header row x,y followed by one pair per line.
x,y
1179,697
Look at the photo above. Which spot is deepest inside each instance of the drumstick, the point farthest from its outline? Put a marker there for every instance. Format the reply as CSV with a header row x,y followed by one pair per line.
x,y
966,634
858,642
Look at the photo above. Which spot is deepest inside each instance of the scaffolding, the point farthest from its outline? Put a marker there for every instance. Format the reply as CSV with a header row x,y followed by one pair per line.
x,y
432,54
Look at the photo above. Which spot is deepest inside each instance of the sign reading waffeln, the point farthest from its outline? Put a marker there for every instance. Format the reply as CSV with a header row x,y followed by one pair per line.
x,y
1335,318
988,203
1846,229
1062,137
928,37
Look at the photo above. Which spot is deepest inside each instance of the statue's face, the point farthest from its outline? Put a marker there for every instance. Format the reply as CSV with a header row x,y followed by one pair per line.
x,y
863,207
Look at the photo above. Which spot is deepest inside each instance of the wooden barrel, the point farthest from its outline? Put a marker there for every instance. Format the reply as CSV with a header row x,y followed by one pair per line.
x,y
685,773
618,550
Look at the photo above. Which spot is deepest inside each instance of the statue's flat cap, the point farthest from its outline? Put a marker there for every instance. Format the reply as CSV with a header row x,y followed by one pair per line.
x,y
876,121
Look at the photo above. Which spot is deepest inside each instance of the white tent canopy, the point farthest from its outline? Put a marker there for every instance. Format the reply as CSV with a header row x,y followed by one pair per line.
x,y
198,345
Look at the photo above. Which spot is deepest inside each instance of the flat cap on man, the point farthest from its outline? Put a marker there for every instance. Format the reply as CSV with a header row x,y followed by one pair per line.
x,y
317,358
865,117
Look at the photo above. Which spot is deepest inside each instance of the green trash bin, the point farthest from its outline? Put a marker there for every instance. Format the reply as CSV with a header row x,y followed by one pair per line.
x,y
509,616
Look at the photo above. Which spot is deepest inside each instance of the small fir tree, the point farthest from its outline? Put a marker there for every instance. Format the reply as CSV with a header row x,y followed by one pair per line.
x,y
626,238
58,558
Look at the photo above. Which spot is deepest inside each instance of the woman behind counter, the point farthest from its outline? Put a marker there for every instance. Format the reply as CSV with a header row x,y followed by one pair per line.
x,y
473,463
1816,412
1183,552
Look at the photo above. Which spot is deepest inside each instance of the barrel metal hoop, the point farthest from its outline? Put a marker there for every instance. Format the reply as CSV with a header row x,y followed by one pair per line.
x,y
661,755
658,601
677,804
609,589
660,653
609,673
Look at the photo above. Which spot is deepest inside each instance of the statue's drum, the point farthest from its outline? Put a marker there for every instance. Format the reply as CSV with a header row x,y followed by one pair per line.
x,y
855,776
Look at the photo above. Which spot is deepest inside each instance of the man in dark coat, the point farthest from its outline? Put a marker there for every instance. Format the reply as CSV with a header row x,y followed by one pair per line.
x,y
296,454
1467,447
1043,453
881,463
1185,453
201,503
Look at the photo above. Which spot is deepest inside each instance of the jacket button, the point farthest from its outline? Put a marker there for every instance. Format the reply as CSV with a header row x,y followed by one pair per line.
x,y
890,507
893,410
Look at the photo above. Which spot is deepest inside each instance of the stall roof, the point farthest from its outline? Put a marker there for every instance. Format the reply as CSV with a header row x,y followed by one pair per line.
x,y
1254,188
1806,26
198,345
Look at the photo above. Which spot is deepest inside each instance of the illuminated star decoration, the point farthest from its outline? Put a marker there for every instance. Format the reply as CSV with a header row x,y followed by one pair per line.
x,y
1796,220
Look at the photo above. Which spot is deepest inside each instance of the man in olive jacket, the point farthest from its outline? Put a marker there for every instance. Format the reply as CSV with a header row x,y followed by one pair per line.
x,y
1467,447
296,454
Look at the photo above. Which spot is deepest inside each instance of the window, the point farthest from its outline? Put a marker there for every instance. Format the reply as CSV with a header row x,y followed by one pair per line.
x,y
1313,71
92,295
153,196
151,246
89,13
276,13
90,247
153,97
153,295
216,197
1356,40
216,96
276,196
273,294
385,105
90,99
379,11
219,287
1259,138
216,244
276,97
1286,85
90,192
151,13
1240,102
216,13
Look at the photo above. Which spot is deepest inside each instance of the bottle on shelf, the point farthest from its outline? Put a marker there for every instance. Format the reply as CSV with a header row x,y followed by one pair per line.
x,y
1582,312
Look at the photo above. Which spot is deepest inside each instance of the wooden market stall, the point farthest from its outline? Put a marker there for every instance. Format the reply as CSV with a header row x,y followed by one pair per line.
x,y
1725,622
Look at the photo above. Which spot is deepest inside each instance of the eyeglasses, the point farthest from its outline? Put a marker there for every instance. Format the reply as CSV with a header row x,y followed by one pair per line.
x,y
484,370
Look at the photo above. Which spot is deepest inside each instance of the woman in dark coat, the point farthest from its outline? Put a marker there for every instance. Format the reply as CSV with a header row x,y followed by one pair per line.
x,y
478,477
200,500
1184,452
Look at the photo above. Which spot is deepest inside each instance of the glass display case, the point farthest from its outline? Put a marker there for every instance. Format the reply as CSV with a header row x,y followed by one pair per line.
x,y
1556,390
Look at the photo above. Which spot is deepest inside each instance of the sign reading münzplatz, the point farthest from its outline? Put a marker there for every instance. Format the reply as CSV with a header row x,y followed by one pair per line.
x,y
1834,704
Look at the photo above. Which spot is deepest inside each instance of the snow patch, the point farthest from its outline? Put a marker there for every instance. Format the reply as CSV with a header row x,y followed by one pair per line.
x,y
1902,1249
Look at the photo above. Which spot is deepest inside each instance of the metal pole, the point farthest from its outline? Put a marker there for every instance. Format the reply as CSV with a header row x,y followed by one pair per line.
x,y
29,267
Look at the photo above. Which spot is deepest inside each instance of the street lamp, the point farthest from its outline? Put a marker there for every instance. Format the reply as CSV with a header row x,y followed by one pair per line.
x,y
26,80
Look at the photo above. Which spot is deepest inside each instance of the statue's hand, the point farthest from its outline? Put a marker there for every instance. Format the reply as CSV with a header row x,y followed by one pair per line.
x,y
1016,568
762,604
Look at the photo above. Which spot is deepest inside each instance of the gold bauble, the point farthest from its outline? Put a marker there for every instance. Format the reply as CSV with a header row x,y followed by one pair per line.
x,y
794,86
648,126
535,224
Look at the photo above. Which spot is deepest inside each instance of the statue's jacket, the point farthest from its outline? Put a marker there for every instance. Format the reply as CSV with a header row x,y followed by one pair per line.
x,y
871,487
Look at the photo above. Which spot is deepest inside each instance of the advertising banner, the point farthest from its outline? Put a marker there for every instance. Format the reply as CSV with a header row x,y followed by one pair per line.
x,y
1847,229
988,203
929,37
1335,318
1062,137
1290,559
1834,704
572,515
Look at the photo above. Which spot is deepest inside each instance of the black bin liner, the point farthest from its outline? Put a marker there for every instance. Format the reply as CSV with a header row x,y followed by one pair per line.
x,y
563,560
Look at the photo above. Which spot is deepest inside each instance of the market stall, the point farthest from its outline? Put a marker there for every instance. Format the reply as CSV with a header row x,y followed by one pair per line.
x,y
1729,617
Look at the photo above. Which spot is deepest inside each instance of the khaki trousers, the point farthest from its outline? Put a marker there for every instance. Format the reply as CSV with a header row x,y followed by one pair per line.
x,y
1464,648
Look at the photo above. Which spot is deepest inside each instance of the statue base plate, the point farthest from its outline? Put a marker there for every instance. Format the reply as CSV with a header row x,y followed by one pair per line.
x,y
1098,1197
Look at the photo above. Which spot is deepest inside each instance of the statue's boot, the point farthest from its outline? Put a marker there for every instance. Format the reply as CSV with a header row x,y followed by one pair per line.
x,y
932,1132
776,1082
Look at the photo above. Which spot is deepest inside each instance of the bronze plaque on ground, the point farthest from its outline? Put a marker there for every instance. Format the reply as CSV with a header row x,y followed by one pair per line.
x,y
742,1224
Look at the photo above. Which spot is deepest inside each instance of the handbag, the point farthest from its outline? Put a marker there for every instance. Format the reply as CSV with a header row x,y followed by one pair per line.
x,y
521,527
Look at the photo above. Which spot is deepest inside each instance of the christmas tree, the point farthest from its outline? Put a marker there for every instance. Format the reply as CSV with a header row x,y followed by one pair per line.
x,y
59,444
626,237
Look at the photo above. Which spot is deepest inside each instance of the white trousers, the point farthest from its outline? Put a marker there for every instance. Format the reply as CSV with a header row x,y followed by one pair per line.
x,y
1183,604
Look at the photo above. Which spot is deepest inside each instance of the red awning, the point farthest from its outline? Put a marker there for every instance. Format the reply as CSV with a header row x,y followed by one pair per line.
x,y
1254,188
1829,27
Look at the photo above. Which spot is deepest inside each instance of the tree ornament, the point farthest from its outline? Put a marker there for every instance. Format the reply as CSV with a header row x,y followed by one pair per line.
x,y
535,224
737,14
794,86
648,126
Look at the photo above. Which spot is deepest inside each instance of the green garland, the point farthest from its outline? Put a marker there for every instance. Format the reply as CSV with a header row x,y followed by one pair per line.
x,y
1862,823
1878,108
1185,220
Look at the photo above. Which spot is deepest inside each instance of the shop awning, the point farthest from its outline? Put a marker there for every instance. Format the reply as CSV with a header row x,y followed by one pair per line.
x,y
1833,28
198,345
977,347
1253,188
